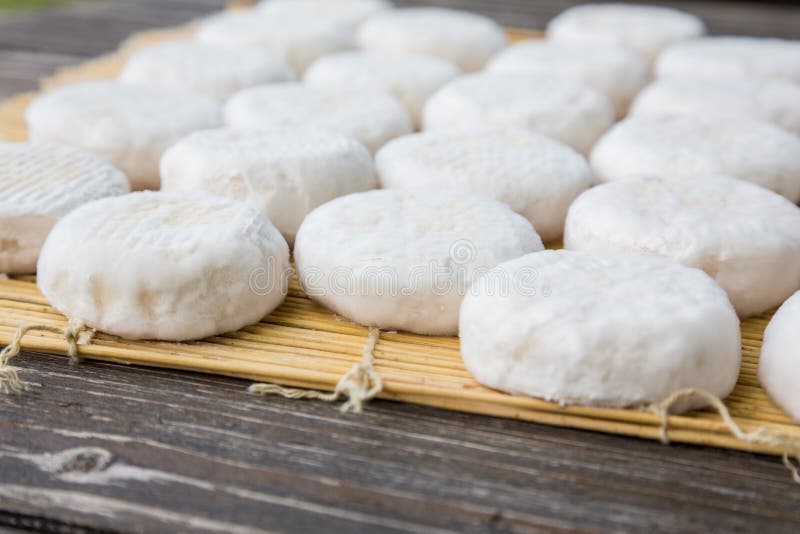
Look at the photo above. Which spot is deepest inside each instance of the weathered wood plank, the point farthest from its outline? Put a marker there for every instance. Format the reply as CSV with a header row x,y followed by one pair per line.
x,y
197,449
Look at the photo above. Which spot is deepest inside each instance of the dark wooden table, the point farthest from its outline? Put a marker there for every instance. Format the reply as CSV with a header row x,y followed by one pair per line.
x,y
101,446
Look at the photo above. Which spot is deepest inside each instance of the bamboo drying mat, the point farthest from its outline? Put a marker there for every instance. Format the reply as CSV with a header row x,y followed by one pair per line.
x,y
302,344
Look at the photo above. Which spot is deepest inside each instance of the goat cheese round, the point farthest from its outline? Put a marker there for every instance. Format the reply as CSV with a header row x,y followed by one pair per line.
x,y
367,115
403,259
285,173
744,236
535,175
731,57
747,149
776,101
779,364
410,78
40,184
213,70
613,70
130,126
563,109
599,329
643,29
463,38
296,39
349,12
155,265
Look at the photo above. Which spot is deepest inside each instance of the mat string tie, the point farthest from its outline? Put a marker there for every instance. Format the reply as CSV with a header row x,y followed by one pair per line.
x,y
74,333
360,384
761,436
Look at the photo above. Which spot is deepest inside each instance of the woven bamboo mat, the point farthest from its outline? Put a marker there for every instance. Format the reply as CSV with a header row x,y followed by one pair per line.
x,y
302,344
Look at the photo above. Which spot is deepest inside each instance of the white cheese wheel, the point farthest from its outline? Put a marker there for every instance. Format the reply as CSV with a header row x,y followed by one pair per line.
x,y
349,12
613,70
403,259
298,40
600,329
167,266
285,173
40,184
463,38
410,78
779,365
776,101
566,110
643,29
213,70
535,175
747,149
744,236
367,115
731,57
129,126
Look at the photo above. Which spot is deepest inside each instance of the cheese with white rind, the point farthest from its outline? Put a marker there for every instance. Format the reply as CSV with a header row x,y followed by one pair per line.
x,y
130,126
776,101
731,57
39,184
463,38
285,173
536,176
599,329
644,29
613,70
779,364
402,259
367,115
297,39
744,236
349,12
165,266
410,78
752,150
214,70
566,110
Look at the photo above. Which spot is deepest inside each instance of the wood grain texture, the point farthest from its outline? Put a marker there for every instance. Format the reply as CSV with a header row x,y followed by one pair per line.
x,y
112,447
104,445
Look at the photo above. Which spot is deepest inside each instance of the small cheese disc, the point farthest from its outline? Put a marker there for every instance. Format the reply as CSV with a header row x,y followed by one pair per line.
x,y
731,57
412,79
613,70
779,365
349,12
285,173
463,38
155,265
744,236
370,116
213,70
535,175
599,329
566,110
298,40
747,149
404,258
776,101
38,185
129,126
643,29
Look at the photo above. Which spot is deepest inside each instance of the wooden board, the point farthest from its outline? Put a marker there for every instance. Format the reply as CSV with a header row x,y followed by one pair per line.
x,y
302,344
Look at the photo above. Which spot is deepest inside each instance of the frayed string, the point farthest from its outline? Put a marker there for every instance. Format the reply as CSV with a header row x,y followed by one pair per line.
x,y
74,333
360,384
789,444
